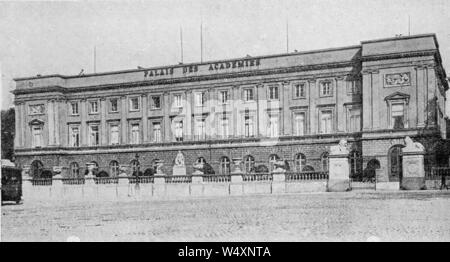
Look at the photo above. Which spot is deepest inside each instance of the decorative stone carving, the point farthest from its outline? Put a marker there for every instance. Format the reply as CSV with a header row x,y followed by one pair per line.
x,y
90,167
198,168
279,166
179,169
340,149
398,79
237,165
411,146
37,109
159,165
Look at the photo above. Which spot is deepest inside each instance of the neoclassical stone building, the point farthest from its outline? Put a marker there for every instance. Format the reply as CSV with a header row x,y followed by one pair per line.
x,y
290,106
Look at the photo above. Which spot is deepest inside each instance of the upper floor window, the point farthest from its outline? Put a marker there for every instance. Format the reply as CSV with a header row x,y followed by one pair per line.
x,y
37,137
113,105
273,126
134,104
179,130
157,134
397,116
354,120
74,136
74,108
177,100
223,96
326,117
353,87
326,88
248,94
248,126
273,93
299,124
156,102
135,133
114,134
224,127
94,136
93,107
300,90
200,128
200,99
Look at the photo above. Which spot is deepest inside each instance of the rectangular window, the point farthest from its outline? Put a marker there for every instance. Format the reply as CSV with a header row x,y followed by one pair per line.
x,y
200,99
37,136
248,94
93,107
299,124
273,126
156,132
354,87
114,134
134,104
355,120
224,127
74,136
200,128
300,90
135,133
326,122
224,97
113,105
94,137
273,92
177,101
156,102
179,131
74,108
326,88
397,116
248,126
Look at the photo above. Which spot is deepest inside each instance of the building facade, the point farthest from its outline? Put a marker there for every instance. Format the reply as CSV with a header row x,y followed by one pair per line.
x,y
290,106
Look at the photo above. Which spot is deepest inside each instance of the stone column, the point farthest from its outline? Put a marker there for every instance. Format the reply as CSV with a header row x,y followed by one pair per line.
x,y
413,165
18,120
123,119
103,136
145,137
285,114
312,109
339,169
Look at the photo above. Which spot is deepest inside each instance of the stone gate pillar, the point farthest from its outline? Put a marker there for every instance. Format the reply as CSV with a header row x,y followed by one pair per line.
x,y
413,165
339,168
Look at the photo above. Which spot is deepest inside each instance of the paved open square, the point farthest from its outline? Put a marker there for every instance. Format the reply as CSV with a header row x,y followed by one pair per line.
x,y
350,216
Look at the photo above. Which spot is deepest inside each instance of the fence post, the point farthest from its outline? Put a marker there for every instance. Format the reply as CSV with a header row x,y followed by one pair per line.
x,y
339,169
159,180
413,165
236,185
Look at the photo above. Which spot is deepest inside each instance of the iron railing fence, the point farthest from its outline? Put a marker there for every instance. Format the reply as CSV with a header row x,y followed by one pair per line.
x,y
177,179
41,181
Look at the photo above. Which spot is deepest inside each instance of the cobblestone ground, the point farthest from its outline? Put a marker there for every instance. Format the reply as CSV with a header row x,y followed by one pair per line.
x,y
352,216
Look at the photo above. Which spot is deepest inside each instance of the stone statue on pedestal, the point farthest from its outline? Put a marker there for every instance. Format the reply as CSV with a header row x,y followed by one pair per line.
x,y
411,146
179,168
341,148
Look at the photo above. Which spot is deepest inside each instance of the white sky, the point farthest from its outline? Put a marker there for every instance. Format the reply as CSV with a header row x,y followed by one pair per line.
x,y
59,37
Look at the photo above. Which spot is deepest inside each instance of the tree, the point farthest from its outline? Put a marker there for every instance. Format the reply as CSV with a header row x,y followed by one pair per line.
x,y
8,125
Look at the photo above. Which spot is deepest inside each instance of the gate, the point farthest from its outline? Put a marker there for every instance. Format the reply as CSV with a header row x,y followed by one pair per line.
x,y
362,179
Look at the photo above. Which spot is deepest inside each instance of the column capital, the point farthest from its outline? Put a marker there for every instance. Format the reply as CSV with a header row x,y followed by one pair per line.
x,y
144,95
311,80
341,77
370,71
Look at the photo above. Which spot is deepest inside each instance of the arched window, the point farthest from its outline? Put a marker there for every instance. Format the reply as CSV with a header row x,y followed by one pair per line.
x,y
299,162
395,163
272,159
74,169
36,169
114,168
249,163
324,161
355,164
224,166
200,160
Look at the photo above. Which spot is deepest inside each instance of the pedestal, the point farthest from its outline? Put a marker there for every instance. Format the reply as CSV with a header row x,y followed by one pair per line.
x,y
179,171
339,173
413,171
